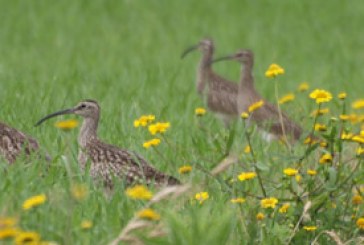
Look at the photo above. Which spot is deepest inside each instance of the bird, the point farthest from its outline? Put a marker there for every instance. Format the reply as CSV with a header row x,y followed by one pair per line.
x,y
108,161
218,93
14,143
273,123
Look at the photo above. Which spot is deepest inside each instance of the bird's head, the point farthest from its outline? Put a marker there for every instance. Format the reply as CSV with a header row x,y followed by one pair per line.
x,y
243,56
205,46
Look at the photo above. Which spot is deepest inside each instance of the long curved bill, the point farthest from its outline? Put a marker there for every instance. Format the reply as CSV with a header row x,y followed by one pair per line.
x,y
63,112
190,49
228,57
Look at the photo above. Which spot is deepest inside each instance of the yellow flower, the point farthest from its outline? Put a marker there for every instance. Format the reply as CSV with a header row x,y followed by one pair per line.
x,y
357,200
149,214
237,200
284,208
247,149
321,96
66,125
202,196
260,216
309,140
185,169
200,111
358,104
143,121
255,106
290,171
358,138
320,112
323,144
346,136
286,98
274,70
86,224
27,237
269,202
310,228
244,115
152,142
139,192
320,127
298,178
34,201
311,172
247,176
7,221
344,117
342,95
303,87
8,233
159,127
325,158
360,151
79,191
360,223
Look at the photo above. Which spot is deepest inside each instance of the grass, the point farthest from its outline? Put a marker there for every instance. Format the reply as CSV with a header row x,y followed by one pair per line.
x,y
125,54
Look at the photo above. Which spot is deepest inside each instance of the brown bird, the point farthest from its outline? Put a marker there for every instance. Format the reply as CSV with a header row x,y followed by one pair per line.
x,y
14,143
219,94
273,124
109,161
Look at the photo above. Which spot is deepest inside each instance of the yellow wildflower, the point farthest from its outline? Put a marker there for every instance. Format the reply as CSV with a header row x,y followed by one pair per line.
x,y
260,216
149,214
320,127
27,237
346,136
358,104
143,121
284,208
269,202
247,149
200,111
325,158
159,127
185,169
86,224
255,106
303,87
237,200
360,223
247,176
342,95
323,144
310,228
311,172
344,117
139,192
290,171
309,140
360,151
202,196
274,70
320,96
79,191
152,142
8,233
7,221
34,201
298,178
66,125
244,115
357,200
320,112
286,98
358,139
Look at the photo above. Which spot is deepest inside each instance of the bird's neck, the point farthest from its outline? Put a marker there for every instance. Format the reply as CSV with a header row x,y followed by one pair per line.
x,y
88,131
202,71
205,62
247,80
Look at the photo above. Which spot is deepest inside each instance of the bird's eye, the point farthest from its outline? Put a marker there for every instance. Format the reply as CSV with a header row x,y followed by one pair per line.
x,y
82,106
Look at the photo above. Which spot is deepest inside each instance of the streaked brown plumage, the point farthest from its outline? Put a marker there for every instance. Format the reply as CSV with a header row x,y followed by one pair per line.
x,y
219,93
108,161
267,117
13,143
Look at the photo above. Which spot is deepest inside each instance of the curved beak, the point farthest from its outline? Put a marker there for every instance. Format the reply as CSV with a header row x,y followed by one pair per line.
x,y
228,57
63,112
190,49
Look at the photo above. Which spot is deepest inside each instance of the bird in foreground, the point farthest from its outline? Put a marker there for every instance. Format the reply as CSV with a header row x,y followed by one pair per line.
x,y
220,94
14,143
109,161
272,123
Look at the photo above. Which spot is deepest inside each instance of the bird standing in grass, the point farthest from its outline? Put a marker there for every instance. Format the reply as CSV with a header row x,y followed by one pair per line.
x,y
108,161
220,94
13,143
272,123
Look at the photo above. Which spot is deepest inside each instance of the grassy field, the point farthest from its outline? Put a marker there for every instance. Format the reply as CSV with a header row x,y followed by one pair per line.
x,y
126,55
